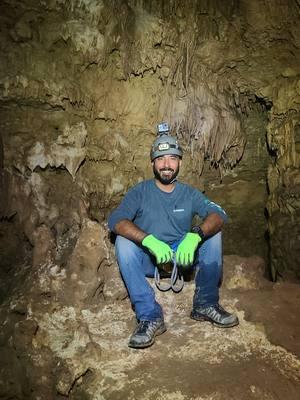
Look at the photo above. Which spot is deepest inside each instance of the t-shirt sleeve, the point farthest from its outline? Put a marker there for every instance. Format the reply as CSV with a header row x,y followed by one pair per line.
x,y
127,209
203,206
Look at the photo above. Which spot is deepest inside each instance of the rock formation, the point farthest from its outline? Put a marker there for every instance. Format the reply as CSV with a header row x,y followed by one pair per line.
x,y
83,84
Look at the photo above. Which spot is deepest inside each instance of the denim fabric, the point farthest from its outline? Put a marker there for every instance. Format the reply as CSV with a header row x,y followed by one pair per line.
x,y
208,264
136,264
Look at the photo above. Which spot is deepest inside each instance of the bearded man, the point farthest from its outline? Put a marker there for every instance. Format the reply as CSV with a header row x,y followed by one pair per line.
x,y
153,224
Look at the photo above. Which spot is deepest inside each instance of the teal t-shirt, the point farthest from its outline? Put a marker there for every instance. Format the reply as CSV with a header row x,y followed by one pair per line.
x,y
167,216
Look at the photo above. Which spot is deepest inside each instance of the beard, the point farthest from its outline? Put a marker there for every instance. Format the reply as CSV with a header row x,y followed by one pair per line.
x,y
165,175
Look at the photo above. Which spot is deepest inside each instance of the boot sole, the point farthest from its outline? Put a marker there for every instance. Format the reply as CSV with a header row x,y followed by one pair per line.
x,y
148,344
207,319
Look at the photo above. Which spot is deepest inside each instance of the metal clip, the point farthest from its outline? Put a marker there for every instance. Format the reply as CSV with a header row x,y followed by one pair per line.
x,y
176,277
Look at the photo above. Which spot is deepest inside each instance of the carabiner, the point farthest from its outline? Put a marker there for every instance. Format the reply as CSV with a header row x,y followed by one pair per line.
x,y
176,277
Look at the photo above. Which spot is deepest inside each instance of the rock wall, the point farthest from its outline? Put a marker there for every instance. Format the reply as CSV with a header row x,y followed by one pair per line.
x,y
244,190
83,84
284,186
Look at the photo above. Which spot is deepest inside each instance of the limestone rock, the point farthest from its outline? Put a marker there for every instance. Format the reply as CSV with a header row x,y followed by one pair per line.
x,y
85,266
23,334
12,377
114,288
244,272
44,246
82,86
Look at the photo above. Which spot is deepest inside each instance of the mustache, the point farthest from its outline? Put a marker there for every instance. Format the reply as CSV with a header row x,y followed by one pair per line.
x,y
166,170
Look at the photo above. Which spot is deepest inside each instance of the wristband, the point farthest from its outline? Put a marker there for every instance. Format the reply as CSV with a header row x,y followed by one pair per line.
x,y
199,231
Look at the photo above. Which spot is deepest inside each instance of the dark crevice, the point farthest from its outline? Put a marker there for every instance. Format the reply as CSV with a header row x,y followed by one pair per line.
x,y
31,103
266,104
49,168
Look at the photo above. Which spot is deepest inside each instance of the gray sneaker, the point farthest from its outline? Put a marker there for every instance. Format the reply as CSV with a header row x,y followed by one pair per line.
x,y
216,315
145,332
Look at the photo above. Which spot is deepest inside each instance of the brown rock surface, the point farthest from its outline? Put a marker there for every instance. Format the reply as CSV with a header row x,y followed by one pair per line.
x,y
83,84
244,273
50,349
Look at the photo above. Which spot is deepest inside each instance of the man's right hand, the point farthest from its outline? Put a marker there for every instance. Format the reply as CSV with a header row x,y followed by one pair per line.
x,y
161,250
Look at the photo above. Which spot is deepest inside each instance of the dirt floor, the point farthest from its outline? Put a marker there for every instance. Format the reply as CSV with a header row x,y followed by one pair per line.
x,y
259,359
82,353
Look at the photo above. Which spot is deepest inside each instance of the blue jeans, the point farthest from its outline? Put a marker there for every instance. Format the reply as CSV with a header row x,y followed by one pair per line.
x,y
136,264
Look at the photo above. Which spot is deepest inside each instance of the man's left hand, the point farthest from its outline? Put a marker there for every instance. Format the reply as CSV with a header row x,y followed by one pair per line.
x,y
186,249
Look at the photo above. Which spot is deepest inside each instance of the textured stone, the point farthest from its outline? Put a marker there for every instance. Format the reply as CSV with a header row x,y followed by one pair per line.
x,y
44,246
82,86
244,273
85,267
114,287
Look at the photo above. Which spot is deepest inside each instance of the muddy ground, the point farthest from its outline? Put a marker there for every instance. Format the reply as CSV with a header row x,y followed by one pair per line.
x,y
55,350
193,360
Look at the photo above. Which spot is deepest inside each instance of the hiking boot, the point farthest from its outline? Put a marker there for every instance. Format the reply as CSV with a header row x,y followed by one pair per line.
x,y
216,315
145,332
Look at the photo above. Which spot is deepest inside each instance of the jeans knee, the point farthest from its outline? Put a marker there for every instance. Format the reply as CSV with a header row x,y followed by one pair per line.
x,y
125,248
215,242
210,253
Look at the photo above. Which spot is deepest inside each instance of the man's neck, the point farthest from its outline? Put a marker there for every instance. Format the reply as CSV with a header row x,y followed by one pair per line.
x,y
165,188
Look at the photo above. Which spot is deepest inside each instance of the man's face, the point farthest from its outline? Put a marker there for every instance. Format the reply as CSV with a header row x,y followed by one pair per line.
x,y
166,168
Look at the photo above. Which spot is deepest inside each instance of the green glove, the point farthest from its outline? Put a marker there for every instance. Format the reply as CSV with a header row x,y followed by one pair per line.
x,y
159,249
186,249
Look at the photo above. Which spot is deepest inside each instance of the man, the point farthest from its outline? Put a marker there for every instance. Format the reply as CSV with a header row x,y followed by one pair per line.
x,y
153,221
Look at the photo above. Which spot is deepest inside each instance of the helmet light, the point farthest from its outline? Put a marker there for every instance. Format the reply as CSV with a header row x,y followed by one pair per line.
x,y
163,146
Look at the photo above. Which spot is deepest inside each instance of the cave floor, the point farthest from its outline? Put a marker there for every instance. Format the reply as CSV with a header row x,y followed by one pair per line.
x,y
259,359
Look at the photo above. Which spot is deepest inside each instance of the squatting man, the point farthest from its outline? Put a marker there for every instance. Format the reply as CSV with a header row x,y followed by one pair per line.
x,y
153,222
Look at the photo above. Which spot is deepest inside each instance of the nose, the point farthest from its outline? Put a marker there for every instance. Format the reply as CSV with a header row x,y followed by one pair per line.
x,y
166,162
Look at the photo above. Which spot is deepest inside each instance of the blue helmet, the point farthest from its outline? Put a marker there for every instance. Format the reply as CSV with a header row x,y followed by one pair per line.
x,y
165,144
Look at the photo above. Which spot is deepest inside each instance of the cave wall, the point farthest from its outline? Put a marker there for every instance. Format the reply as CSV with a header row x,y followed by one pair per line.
x,y
83,84
244,190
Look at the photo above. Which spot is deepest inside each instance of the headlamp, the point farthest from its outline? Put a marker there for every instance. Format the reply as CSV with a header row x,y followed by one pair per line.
x,y
163,146
166,146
